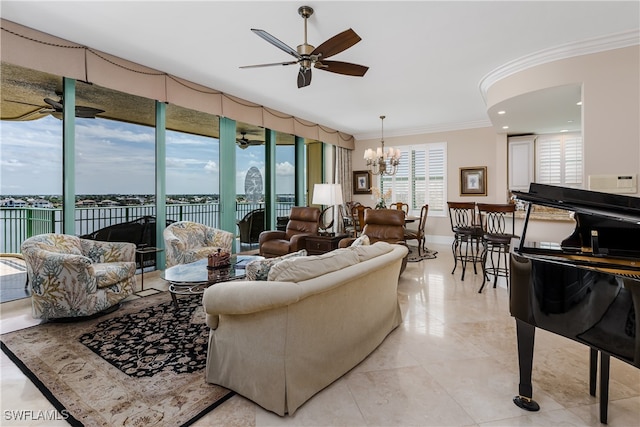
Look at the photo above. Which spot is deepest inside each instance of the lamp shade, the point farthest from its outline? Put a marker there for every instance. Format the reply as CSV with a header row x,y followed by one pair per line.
x,y
327,194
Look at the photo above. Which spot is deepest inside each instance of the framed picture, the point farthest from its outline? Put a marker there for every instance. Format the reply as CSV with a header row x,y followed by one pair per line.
x,y
473,181
361,182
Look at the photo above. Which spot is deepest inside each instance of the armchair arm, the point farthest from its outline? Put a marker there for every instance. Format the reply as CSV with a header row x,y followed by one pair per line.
x,y
271,235
219,238
298,241
346,242
48,269
173,247
101,251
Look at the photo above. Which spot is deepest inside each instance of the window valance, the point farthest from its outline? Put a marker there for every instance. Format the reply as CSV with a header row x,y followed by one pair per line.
x,y
33,49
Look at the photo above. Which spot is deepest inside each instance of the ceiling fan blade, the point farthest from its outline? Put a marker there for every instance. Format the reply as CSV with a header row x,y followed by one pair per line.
x,y
304,77
57,105
87,112
269,65
340,67
277,43
337,44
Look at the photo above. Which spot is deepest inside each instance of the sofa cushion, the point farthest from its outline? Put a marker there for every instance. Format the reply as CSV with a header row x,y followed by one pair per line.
x,y
305,268
363,240
259,269
366,252
110,273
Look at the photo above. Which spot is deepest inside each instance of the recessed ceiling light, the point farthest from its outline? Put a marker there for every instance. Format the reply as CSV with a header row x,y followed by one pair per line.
x,y
579,103
564,130
569,121
505,127
501,112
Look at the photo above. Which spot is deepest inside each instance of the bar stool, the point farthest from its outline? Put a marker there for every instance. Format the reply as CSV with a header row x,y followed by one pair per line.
x,y
467,234
496,239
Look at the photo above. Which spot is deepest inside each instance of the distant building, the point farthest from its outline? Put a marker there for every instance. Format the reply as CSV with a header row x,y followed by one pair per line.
x,y
42,203
128,201
13,203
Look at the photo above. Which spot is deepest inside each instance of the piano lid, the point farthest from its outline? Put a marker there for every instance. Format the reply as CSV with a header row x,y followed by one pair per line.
x,y
614,206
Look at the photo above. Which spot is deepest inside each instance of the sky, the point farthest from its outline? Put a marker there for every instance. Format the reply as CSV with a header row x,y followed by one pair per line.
x,y
118,158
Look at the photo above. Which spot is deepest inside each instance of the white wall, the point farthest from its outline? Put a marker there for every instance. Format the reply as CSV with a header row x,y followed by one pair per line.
x,y
611,132
611,104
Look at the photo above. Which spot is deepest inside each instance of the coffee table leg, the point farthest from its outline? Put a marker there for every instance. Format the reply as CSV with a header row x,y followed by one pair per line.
x,y
175,299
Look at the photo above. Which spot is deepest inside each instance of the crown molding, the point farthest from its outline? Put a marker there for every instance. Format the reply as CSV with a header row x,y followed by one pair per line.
x,y
448,127
569,50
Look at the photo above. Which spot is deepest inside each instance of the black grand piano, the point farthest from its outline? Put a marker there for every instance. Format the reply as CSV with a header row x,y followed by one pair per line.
x,y
586,288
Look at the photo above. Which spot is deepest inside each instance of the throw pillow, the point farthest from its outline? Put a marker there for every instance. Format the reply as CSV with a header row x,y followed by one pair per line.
x,y
259,269
363,240
301,269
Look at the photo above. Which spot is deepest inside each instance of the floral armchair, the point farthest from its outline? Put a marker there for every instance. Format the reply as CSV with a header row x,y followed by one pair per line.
x,y
74,277
187,241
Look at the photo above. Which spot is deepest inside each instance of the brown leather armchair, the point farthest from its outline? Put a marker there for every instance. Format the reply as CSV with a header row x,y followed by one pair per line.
x,y
385,225
303,221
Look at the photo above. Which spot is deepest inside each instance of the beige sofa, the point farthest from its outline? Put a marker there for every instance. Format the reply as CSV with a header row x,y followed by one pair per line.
x,y
279,342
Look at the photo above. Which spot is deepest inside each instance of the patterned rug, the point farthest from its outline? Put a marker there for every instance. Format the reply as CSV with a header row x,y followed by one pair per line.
x,y
426,254
142,365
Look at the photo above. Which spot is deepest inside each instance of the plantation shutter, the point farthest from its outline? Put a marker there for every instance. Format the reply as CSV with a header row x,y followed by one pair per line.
x,y
549,157
573,160
437,189
420,178
559,160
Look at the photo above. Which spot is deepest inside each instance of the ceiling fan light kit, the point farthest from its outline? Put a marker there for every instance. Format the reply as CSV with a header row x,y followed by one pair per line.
x,y
308,56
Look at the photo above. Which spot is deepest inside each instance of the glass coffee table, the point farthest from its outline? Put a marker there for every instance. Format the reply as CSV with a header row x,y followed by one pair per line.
x,y
195,277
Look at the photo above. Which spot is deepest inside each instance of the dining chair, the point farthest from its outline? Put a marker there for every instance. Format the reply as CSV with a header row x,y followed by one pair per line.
x,y
467,235
418,233
498,228
358,217
400,206
348,226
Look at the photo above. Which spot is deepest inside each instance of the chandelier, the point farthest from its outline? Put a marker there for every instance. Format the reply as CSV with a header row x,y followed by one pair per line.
x,y
380,162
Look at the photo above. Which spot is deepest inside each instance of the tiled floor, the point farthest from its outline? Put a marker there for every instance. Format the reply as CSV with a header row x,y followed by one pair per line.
x,y
451,363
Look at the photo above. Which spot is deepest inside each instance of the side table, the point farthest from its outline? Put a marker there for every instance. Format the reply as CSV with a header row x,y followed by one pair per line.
x,y
317,245
142,251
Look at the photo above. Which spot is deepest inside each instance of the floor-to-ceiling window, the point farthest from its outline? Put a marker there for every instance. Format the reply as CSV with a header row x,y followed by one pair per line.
x,y
30,168
250,181
285,173
114,159
192,166
30,156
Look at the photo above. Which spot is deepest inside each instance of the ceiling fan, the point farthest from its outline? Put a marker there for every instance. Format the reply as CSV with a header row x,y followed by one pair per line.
x,y
81,110
244,142
55,109
307,55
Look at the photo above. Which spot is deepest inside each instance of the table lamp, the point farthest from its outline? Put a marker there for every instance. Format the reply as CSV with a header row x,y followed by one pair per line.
x,y
328,195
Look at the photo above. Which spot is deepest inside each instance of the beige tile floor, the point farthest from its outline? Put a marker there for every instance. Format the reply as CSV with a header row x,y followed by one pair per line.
x,y
451,363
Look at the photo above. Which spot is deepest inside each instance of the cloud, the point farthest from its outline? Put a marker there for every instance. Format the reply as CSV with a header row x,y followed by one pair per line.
x,y
211,167
285,169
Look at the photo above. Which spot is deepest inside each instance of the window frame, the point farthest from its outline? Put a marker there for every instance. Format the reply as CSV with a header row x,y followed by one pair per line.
x,y
430,175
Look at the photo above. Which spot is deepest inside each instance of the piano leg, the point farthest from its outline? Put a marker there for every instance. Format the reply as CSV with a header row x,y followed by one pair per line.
x,y
526,335
593,370
604,386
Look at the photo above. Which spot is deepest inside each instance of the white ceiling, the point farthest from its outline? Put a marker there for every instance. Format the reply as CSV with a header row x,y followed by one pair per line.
x,y
426,58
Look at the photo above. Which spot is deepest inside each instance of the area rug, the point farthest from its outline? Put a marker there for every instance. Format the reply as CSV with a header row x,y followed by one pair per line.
x,y
142,365
415,257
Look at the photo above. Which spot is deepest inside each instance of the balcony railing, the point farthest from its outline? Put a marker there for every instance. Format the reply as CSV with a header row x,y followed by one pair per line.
x,y
19,223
